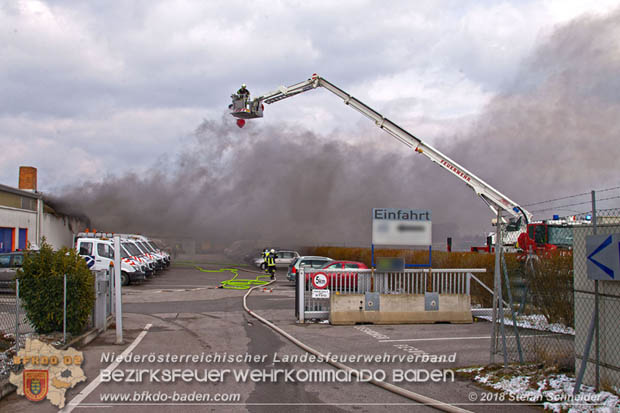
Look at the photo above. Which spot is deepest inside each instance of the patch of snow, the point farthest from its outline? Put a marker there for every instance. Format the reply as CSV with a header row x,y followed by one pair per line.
x,y
535,322
554,391
470,369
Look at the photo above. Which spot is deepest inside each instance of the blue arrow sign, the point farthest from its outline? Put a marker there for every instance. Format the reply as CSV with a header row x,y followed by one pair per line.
x,y
603,256
602,266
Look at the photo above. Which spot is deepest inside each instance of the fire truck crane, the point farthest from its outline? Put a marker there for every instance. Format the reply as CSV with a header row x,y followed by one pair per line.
x,y
243,108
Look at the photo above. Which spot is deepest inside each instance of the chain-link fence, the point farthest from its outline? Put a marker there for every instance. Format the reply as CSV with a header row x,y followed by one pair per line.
x,y
14,328
563,317
537,288
597,303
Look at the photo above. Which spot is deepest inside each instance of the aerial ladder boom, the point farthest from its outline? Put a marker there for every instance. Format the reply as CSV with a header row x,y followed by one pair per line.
x,y
492,197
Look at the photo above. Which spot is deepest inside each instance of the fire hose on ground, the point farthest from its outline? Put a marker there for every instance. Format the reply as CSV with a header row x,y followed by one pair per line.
x,y
236,283
387,386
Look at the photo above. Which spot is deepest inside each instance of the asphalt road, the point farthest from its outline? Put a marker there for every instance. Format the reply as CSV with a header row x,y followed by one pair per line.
x,y
189,315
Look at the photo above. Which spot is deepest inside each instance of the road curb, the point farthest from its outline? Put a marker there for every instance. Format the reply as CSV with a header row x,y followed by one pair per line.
x,y
6,387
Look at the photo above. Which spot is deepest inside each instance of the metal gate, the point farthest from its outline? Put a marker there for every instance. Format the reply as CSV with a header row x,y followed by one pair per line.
x,y
315,287
103,299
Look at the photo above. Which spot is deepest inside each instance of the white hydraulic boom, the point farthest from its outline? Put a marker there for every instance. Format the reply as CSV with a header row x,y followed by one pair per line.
x,y
492,197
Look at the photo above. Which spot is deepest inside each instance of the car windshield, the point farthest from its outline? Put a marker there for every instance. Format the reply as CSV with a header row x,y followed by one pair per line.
x,y
561,236
86,248
5,261
140,247
318,263
307,263
18,260
154,245
124,253
133,250
104,250
144,246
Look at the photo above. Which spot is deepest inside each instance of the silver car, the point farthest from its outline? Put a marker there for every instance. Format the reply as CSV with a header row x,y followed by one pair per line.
x,y
286,258
9,263
307,261
283,260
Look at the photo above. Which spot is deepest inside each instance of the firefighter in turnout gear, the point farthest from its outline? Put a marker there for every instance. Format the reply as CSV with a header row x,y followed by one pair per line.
x,y
244,94
265,256
270,261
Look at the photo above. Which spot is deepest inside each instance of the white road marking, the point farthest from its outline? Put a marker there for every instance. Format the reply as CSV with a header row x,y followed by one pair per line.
x,y
410,349
372,333
93,385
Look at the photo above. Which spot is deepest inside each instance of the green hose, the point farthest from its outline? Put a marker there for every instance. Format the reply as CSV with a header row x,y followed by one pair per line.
x,y
237,283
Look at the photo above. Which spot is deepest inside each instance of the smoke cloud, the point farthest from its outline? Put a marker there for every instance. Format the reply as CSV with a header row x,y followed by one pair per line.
x,y
553,132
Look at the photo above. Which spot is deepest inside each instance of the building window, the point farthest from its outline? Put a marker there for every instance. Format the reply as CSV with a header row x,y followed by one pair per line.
x,y
17,201
29,203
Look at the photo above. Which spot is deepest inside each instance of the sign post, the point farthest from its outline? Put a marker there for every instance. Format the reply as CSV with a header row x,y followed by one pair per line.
x,y
118,307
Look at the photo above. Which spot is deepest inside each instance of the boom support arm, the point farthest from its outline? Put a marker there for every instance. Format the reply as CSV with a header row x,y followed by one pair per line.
x,y
492,197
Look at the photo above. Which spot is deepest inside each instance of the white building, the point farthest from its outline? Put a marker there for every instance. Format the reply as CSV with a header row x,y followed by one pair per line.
x,y
25,218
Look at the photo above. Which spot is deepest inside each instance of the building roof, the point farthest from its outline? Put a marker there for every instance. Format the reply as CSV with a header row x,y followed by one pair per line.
x,y
51,205
29,194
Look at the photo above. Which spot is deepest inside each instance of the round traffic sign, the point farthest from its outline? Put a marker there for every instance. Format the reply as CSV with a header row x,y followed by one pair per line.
x,y
319,280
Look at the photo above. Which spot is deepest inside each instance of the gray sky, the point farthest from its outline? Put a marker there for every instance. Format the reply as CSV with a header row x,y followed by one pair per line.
x,y
95,91
95,87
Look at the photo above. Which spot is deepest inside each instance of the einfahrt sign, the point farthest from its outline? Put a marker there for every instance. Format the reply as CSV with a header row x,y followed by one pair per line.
x,y
411,227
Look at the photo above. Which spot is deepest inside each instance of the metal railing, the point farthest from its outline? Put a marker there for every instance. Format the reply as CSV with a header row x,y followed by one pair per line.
x,y
350,281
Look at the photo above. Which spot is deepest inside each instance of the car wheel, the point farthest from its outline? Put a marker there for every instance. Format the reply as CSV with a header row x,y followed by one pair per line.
x,y
263,266
124,278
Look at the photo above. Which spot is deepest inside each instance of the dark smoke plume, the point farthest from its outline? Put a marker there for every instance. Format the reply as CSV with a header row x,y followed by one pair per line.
x,y
553,132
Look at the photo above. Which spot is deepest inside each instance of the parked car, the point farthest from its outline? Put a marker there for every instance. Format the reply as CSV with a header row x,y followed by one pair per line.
x,y
346,280
306,262
99,255
345,265
284,259
9,263
158,250
147,265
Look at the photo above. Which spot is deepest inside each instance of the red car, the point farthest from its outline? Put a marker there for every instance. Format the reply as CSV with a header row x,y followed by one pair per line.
x,y
342,281
346,265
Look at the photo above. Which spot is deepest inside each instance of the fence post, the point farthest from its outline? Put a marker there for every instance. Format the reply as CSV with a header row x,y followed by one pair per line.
x,y
596,304
593,324
468,285
500,300
16,315
64,312
512,309
118,306
301,291
496,281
